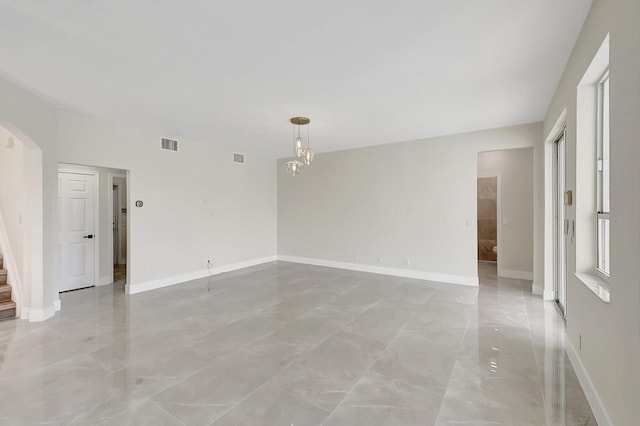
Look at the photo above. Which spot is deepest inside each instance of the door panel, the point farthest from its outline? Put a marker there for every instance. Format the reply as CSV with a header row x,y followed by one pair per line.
x,y
76,202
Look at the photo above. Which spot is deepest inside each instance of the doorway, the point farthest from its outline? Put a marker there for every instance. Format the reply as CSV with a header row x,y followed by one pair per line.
x,y
99,220
560,228
488,218
119,225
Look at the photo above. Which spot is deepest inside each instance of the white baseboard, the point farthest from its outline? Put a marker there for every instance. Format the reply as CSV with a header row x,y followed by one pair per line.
x,y
37,315
549,295
383,270
597,407
518,275
540,291
177,279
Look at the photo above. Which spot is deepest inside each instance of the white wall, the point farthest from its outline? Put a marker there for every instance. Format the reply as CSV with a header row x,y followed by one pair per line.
x,y
608,361
32,120
11,205
515,167
198,204
412,200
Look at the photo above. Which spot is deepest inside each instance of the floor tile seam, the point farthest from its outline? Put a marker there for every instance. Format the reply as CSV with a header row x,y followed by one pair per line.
x,y
288,323
166,412
62,367
338,330
396,379
300,398
179,380
123,410
367,370
162,389
257,389
242,347
395,407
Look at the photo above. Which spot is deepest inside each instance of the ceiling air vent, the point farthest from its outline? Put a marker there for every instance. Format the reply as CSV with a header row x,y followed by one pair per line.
x,y
169,144
238,158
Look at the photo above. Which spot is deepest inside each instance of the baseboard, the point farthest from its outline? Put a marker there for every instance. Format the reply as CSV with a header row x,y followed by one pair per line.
x,y
37,315
518,275
57,305
541,291
383,270
549,295
177,279
597,406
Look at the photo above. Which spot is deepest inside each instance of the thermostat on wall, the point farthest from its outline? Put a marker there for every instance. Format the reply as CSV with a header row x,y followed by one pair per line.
x,y
139,203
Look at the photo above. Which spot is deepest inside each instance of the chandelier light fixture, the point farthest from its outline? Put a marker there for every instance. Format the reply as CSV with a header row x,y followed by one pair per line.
x,y
301,155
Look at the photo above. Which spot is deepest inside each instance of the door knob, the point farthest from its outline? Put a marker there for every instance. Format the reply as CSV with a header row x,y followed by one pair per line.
x,y
88,236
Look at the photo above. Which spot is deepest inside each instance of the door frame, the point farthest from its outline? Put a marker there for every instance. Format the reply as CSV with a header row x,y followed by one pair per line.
x,y
86,170
111,176
497,175
560,221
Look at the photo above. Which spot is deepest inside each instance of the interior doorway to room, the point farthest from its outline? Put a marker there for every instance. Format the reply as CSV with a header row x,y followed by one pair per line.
x,y
119,222
560,228
93,227
488,194
505,213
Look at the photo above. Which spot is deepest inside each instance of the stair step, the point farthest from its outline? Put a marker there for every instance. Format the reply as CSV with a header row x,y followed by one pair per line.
x,y
3,276
5,292
7,310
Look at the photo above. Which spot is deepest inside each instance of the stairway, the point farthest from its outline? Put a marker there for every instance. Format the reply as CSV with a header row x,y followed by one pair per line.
x,y
7,306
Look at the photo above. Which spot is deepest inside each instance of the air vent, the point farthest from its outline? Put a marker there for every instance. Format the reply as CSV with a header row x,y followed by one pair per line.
x,y
169,144
238,158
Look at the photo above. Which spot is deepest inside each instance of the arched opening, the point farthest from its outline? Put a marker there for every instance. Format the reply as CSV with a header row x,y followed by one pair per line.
x,y
21,220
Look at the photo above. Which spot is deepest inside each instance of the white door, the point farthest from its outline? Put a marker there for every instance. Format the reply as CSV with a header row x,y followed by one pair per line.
x,y
76,203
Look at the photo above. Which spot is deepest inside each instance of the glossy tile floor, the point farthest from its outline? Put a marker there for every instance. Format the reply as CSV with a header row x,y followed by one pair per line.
x,y
288,344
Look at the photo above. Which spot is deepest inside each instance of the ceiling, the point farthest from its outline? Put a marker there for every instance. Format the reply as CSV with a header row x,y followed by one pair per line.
x,y
232,72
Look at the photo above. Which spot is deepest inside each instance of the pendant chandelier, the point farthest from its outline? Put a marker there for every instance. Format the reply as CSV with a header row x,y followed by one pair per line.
x,y
301,155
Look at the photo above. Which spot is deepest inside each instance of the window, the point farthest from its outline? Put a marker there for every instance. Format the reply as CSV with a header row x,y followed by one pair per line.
x,y
603,173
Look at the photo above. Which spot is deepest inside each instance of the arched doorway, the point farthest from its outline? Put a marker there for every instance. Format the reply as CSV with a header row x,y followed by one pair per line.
x,y
21,220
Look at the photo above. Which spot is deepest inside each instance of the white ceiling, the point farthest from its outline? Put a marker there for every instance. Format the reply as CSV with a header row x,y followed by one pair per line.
x,y
233,72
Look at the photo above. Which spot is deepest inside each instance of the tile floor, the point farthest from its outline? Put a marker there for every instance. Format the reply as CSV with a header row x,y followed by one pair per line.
x,y
288,344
